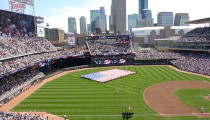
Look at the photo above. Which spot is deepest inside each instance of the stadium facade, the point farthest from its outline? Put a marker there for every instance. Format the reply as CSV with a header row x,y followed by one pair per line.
x,y
146,36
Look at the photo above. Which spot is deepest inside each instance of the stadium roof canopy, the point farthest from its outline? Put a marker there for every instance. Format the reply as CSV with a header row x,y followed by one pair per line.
x,y
199,21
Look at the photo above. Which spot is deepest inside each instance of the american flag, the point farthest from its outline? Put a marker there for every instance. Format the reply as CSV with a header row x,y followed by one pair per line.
x,y
108,75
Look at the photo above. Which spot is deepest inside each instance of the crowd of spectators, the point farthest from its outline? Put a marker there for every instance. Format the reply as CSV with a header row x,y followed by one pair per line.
x,y
199,32
157,55
194,62
196,35
18,116
11,47
98,47
11,82
13,64
16,53
194,39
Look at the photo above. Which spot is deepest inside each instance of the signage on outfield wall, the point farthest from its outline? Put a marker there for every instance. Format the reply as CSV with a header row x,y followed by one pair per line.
x,y
107,62
17,6
28,2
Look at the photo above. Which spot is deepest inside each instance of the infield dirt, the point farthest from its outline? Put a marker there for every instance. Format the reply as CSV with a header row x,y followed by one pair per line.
x,y
160,97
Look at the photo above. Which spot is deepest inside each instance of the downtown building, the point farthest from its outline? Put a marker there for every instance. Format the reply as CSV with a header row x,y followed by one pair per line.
x,y
98,19
72,27
83,29
181,18
118,12
165,19
132,20
144,23
143,4
111,26
101,23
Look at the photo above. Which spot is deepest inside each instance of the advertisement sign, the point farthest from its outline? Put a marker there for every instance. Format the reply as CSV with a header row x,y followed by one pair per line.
x,y
71,39
108,62
40,32
16,24
17,6
40,21
28,2
88,38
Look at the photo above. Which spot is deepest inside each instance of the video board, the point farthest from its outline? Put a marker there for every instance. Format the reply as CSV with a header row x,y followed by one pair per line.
x,y
16,24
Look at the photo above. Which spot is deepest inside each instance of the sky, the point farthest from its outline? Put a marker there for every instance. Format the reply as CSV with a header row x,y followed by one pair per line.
x,y
56,12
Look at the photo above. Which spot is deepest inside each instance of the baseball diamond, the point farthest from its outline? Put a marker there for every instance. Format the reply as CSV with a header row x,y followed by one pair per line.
x,y
78,98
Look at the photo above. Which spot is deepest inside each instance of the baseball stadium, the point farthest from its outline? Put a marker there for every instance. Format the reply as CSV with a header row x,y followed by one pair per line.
x,y
102,77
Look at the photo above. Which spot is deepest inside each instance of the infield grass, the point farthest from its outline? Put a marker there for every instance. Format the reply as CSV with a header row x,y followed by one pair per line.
x,y
81,99
195,98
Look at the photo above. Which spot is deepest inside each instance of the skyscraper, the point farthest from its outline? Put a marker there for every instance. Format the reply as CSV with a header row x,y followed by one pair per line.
x,y
118,12
102,11
111,23
181,18
132,20
165,19
144,23
93,15
72,27
146,14
143,4
88,28
83,29
101,22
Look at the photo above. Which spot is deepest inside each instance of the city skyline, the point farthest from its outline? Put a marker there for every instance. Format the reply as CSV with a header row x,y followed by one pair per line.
x,y
55,12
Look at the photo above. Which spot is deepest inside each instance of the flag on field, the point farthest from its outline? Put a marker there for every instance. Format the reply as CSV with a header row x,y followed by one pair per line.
x,y
108,75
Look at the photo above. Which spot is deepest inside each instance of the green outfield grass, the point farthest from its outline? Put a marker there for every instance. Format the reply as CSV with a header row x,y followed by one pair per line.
x,y
195,98
81,99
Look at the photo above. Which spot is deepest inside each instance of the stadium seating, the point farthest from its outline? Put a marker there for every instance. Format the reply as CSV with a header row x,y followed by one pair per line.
x,y
11,82
157,55
196,35
13,116
18,53
99,47
13,47
194,62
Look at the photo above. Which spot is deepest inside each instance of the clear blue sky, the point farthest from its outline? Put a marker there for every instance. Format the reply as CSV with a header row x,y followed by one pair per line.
x,y
56,12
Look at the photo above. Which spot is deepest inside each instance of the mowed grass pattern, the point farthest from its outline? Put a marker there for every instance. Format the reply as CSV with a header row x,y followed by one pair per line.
x,y
81,99
195,97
